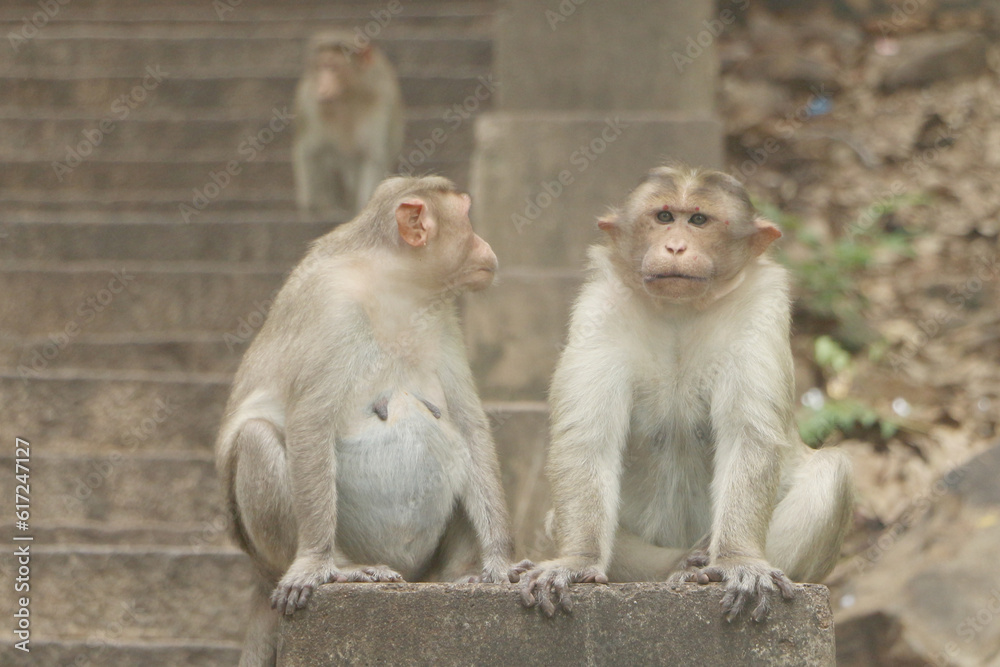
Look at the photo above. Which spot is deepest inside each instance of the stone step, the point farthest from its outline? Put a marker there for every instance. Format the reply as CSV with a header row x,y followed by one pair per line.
x,y
208,178
193,353
132,477
104,413
80,209
195,184
46,206
98,94
102,297
309,11
196,353
105,650
514,331
205,181
105,297
184,56
146,533
280,241
198,594
122,488
137,140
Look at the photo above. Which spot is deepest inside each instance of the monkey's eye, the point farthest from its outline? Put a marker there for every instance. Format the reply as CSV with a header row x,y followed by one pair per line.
x,y
698,219
665,216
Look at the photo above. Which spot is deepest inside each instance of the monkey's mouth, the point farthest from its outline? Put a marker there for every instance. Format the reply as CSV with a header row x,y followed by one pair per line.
x,y
666,276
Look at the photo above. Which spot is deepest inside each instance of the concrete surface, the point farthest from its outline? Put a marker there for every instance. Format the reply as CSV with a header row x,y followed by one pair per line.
x,y
620,624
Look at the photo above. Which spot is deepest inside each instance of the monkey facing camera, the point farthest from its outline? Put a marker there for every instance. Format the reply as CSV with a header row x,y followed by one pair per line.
x,y
674,453
354,446
348,125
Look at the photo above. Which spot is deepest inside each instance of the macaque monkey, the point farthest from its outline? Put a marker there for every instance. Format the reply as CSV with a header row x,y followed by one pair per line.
x,y
348,125
673,443
354,446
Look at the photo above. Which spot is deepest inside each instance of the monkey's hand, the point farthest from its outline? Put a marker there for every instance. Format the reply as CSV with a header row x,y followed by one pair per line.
x,y
308,572
547,584
746,580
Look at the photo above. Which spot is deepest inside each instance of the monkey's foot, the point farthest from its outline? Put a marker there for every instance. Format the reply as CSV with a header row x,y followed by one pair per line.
x,y
487,576
696,559
547,585
305,575
746,580
515,572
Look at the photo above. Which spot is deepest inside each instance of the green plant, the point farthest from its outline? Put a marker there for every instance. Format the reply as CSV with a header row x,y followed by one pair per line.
x,y
827,274
849,417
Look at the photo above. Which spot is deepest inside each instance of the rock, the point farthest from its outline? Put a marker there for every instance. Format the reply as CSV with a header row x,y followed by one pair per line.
x,y
795,71
619,624
926,59
928,590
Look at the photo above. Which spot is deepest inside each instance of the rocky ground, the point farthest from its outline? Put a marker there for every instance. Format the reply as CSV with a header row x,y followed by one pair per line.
x,y
876,133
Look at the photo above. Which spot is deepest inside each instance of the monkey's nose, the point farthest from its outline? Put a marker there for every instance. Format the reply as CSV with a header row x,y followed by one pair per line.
x,y
676,247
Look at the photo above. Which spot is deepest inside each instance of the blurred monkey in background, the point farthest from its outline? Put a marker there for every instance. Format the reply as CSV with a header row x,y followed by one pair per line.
x,y
348,124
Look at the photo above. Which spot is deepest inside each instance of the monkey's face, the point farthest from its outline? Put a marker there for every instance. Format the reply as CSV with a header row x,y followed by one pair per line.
x,y
333,74
471,262
686,238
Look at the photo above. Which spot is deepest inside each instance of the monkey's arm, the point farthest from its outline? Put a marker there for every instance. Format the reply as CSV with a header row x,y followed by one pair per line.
x,y
591,402
483,498
591,405
751,417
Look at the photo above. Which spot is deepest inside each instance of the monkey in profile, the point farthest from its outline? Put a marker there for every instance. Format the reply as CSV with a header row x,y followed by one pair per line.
x,y
673,447
348,124
354,446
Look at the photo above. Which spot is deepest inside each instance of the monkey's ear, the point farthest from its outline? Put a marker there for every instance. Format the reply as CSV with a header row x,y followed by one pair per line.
x,y
608,223
765,234
365,55
413,221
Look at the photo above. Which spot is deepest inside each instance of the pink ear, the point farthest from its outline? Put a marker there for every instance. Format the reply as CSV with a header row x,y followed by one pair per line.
x,y
366,55
766,234
608,223
412,221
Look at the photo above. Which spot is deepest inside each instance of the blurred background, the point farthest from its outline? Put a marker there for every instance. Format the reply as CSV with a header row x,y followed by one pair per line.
x,y
135,269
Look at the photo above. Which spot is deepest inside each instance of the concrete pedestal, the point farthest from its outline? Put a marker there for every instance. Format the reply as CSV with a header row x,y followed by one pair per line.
x,y
486,625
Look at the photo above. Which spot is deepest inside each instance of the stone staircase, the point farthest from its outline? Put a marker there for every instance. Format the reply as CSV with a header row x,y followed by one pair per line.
x,y
121,322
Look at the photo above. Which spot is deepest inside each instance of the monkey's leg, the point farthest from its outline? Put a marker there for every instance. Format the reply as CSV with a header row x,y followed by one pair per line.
x,y
457,558
262,495
635,559
809,524
260,645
